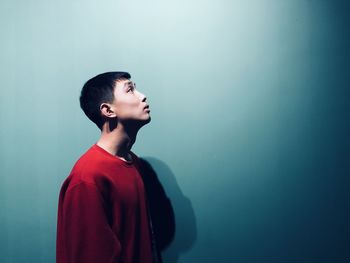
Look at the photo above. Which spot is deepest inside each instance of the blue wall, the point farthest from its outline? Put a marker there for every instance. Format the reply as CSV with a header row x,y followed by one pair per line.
x,y
250,120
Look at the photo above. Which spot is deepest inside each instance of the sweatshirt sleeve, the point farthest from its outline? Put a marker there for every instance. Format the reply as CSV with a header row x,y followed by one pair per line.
x,y
87,235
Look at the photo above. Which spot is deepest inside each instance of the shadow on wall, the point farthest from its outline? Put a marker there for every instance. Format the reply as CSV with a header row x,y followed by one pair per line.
x,y
172,213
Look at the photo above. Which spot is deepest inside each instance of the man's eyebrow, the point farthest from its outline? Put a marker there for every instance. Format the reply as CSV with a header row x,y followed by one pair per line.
x,y
127,83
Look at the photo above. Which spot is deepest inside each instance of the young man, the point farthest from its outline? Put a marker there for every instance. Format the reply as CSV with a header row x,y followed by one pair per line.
x,y
103,211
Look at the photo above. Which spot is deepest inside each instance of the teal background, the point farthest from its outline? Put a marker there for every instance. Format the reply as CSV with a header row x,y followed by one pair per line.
x,y
250,120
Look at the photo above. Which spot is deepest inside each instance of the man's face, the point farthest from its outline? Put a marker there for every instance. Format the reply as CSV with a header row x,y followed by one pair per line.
x,y
129,104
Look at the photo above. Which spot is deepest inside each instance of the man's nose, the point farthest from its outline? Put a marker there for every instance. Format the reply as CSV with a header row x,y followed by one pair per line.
x,y
143,97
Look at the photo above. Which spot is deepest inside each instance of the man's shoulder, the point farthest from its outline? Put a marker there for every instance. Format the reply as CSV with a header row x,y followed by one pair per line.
x,y
90,158
87,167
95,166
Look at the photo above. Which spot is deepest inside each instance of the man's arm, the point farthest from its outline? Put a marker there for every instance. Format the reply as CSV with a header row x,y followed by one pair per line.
x,y
84,230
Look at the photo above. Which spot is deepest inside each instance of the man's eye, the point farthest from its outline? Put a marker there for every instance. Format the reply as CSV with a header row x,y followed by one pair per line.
x,y
130,89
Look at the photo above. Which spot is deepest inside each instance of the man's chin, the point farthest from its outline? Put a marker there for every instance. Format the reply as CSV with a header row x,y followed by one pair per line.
x,y
140,122
146,121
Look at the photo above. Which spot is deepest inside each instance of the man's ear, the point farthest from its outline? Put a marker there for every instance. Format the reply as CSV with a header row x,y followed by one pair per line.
x,y
107,110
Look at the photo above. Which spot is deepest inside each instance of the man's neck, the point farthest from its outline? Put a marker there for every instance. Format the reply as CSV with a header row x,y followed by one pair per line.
x,y
118,141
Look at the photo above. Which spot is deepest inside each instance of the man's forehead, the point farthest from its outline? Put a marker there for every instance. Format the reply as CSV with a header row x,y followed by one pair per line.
x,y
123,82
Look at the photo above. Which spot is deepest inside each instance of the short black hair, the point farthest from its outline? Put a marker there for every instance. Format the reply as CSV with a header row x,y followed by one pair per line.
x,y
98,90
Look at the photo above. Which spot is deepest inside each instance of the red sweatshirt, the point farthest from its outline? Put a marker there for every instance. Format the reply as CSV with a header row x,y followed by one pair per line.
x,y
102,212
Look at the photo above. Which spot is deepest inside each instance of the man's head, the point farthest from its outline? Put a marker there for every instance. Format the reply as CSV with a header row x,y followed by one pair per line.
x,y
112,96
